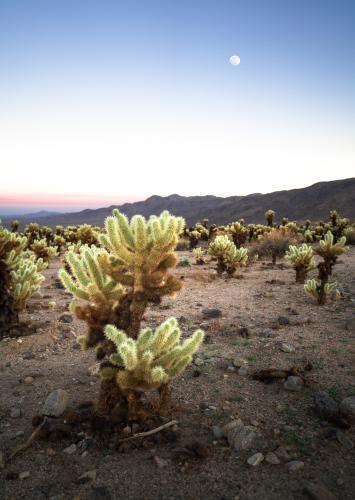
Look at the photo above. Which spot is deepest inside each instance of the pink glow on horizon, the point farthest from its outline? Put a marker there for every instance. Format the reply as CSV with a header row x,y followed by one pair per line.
x,y
64,200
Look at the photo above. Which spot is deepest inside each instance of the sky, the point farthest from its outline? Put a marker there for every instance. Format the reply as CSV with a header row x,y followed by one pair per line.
x,y
108,101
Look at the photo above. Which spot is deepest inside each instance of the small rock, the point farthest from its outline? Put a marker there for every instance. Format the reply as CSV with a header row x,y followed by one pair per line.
x,y
88,476
66,318
161,463
293,384
318,491
212,313
271,458
325,406
29,380
281,453
20,433
295,465
217,432
238,362
255,459
127,431
24,475
267,334
283,320
287,347
50,452
350,325
240,436
70,449
94,370
347,407
56,403
243,371
199,362
15,412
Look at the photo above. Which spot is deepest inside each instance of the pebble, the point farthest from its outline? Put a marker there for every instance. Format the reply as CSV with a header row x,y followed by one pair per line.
x,y
347,407
161,462
271,458
56,403
283,320
295,465
24,475
29,380
293,384
287,347
15,412
243,371
282,453
70,449
217,432
88,476
255,459
238,362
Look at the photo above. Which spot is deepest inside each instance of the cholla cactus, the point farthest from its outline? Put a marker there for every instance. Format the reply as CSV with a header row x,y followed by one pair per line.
x,y
19,277
319,291
228,256
86,234
270,214
330,251
153,359
116,284
302,259
26,280
308,234
43,250
238,232
14,226
199,256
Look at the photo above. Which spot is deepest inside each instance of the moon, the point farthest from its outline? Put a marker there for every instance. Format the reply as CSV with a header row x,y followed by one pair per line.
x,y
234,60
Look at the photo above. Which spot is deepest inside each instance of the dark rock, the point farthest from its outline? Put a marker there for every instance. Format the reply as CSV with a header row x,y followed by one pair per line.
x,y
212,313
318,491
347,407
325,406
283,320
99,493
66,318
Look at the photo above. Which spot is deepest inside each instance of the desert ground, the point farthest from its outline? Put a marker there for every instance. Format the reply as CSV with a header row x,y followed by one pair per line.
x,y
257,320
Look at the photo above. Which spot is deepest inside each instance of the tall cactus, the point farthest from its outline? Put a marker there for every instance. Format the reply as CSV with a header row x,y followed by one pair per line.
x,y
114,285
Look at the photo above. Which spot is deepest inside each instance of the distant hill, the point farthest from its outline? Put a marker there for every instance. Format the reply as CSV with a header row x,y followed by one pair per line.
x,y
313,202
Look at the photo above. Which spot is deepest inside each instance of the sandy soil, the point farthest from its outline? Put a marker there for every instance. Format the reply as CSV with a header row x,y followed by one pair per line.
x,y
210,393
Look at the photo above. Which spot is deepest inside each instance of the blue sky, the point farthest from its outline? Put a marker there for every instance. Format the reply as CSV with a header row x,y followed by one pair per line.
x,y
143,90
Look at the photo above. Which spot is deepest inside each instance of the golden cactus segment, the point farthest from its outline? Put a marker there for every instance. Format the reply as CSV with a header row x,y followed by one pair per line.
x,y
154,358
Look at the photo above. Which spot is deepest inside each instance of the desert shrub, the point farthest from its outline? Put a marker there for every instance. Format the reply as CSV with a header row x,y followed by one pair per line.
x,y
184,262
183,244
114,285
274,244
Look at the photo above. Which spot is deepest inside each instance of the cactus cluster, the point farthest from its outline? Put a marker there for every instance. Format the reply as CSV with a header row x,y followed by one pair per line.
x,y
19,277
151,360
114,285
228,256
302,258
329,251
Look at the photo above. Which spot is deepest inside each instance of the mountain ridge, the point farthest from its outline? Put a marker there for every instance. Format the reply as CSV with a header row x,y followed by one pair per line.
x,y
312,202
